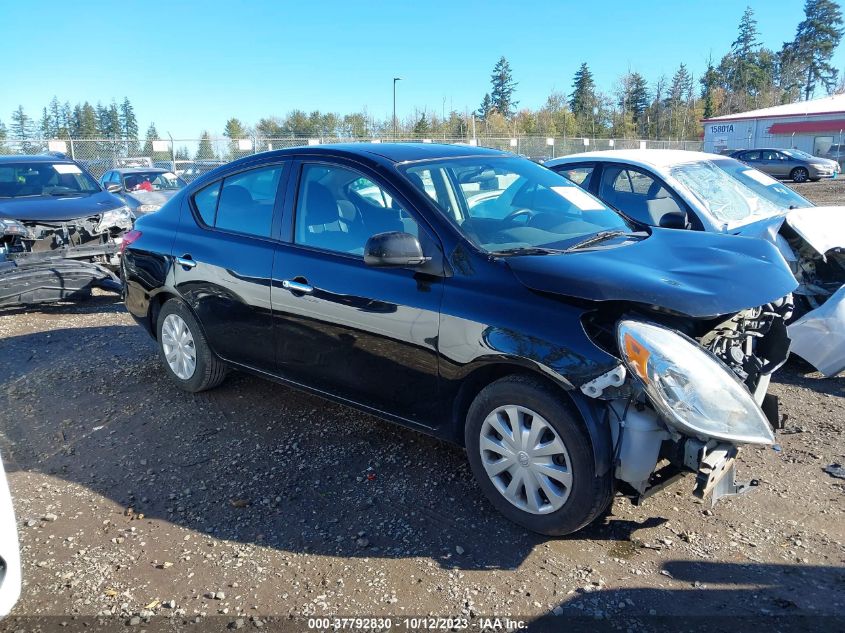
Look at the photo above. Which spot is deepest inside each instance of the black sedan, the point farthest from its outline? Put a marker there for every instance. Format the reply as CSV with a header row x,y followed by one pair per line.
x,y
479,297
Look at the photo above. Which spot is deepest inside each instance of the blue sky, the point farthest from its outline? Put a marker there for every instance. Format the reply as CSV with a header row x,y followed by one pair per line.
x,y
190,65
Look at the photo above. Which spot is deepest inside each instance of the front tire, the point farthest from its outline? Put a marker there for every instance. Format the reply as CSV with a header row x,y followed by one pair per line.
x,y
184,351
800,174
532,457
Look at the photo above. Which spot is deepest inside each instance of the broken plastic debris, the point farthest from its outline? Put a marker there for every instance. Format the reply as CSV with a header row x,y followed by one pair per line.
x,y
835,470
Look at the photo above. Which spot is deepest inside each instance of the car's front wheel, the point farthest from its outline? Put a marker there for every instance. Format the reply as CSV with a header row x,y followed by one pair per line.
x,y
800,174
183,349
533,458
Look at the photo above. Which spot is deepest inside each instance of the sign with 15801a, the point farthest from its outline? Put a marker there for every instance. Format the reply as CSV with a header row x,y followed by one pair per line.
x,y
721,129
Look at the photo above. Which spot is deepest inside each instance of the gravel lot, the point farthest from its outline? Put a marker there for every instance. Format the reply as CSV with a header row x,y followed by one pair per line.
x,y
254,500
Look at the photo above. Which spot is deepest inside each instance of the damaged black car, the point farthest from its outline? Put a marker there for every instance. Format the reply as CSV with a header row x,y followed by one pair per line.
x,y
60,232
479,297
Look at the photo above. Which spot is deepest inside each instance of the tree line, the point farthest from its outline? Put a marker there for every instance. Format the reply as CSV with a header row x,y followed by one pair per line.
x,y
748,76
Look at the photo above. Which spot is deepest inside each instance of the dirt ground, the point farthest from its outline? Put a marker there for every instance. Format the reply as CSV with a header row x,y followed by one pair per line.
x,y
135,499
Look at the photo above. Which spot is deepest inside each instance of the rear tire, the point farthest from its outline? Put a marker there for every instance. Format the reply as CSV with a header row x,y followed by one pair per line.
x,y
184,351
535,482
800,174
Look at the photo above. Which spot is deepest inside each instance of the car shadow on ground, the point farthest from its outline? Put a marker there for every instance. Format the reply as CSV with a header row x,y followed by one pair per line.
x,y
710,596
800,373
251,461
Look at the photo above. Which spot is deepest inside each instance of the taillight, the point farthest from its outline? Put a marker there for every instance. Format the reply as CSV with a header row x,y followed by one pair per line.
x,y
128,238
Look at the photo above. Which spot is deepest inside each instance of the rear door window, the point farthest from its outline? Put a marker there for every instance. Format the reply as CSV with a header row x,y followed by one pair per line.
x,y
242,203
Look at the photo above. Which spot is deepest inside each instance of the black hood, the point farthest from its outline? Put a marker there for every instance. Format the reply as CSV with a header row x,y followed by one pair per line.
x,y
693,273
58,208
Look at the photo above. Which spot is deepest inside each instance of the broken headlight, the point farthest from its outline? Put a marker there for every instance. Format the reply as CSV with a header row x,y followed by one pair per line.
x,y
13,227
691,389
121,218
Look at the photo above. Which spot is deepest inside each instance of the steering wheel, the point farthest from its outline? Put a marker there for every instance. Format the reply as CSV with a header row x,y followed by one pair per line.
x,y
511,218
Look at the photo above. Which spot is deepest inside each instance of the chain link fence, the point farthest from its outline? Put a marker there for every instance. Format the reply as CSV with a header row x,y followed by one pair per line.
x,y
191,157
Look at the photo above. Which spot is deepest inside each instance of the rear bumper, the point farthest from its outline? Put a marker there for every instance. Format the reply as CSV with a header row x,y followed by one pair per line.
x,y
819,336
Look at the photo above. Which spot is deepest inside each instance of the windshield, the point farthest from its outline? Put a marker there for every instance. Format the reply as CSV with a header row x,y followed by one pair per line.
x,y
152,181
511,204
28,180
797,153
734,192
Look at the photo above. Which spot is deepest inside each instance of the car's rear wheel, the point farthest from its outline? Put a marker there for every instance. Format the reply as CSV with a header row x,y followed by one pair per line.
x,y
800,174
532,457
183,349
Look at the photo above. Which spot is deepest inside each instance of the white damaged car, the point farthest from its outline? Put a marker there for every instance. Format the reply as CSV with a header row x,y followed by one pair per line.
x,y
708,192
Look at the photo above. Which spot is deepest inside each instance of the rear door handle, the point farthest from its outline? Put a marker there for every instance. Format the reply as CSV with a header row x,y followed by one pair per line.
x,y
185,261
297,286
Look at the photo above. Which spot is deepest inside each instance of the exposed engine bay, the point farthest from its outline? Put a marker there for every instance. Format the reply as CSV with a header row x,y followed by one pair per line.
x,y
819,275
94,239
648,452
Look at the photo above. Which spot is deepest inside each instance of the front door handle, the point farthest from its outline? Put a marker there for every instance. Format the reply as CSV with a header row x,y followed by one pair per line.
x,y
297,286
185,261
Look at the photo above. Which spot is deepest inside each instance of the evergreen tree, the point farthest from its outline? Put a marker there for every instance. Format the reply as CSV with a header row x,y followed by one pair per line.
x,y
634,98
205,151
486,107
128,122
503,88
21,127
234,130
59,122
152,135
745,67
583,98
3,136
709,84
422,127
84,121
811,51
182,153
45,127
114,129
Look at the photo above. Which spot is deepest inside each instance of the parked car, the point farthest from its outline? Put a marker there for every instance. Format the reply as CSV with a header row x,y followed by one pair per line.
x,y
193,170
143,190
793,164
717,194
10,560
59,230
835,152
568,348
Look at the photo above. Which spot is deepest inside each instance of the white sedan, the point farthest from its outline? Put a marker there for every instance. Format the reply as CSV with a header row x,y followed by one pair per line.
x,y
707,192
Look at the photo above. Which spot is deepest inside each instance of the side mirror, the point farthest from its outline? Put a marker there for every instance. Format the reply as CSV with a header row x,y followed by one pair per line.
x,y
393,250
113,187
673,220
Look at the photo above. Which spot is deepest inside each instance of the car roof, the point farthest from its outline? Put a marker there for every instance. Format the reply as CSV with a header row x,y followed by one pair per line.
x,y
659,158
34,158
141,170
392,152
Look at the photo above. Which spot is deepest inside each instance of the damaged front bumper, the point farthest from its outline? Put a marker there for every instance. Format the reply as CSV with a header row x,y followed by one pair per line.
x,y
25,282
817,337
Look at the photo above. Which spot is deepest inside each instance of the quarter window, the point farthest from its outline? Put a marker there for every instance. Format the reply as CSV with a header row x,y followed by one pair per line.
x,y
579,174
242,203
637,194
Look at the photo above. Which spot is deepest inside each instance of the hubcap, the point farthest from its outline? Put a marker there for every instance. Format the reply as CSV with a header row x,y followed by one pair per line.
x,y
525,459
178,344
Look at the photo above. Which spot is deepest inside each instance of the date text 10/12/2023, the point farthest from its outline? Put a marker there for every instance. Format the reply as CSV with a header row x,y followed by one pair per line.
x,y
409,623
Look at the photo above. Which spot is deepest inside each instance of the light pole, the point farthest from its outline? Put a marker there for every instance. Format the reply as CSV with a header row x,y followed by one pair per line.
x,y
395,79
